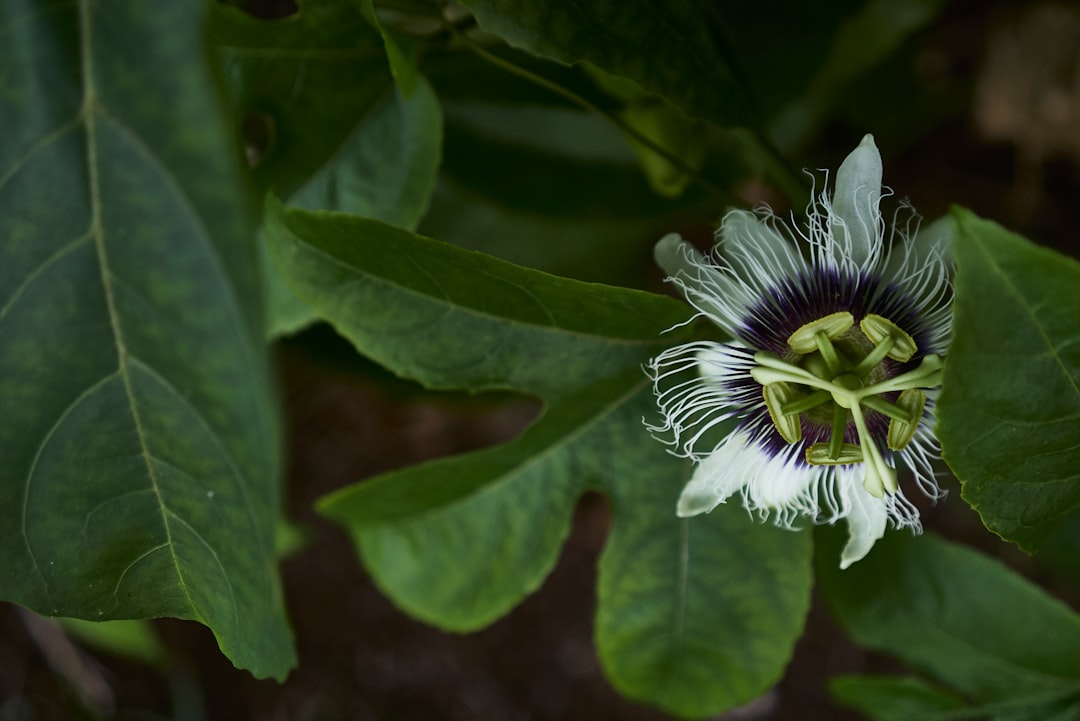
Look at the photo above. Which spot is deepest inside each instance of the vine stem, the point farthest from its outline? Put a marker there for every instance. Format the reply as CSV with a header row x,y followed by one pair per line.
x,y
727,196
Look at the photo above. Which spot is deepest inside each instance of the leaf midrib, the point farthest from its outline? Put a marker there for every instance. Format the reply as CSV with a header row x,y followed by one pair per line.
x,y
97,232
487,316
1026,307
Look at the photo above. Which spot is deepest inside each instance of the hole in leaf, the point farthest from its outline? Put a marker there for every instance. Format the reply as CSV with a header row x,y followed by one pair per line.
x,y
259,133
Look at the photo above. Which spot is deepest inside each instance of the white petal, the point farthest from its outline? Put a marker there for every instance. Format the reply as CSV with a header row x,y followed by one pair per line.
x,y
677,257
928,252
756,250
715,479
934,240
866,524
856,217
711,290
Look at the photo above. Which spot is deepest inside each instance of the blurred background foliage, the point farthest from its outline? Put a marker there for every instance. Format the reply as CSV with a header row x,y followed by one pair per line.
x,y
570,156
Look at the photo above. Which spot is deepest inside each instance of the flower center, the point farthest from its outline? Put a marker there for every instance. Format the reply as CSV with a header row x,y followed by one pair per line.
x,y
832,375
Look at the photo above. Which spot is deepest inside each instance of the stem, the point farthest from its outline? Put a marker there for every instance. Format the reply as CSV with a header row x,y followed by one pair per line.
x,y
726,196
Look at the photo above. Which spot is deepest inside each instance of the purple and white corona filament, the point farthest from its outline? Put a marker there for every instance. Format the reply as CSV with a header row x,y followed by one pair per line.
x,y
829,381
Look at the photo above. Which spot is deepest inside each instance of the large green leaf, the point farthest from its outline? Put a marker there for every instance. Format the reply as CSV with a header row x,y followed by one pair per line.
x,y
459,541
140,438
452,318
1010,405
960,617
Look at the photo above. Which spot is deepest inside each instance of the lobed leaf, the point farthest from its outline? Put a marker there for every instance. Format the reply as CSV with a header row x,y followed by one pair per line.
x,y
453,318
459,541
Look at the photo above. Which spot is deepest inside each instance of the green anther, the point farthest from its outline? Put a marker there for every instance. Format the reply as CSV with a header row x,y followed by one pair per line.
x,y
912,401
803,341
805,403
877,329
892,410
820,454
777,395
839,425
825,348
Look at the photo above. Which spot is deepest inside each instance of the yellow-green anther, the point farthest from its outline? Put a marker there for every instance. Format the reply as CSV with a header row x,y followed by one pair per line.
x,y
881,405
777,395
912,401
804,340
820,454
877,329
807,402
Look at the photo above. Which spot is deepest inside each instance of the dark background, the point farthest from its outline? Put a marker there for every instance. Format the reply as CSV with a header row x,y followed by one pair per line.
x,y
992,125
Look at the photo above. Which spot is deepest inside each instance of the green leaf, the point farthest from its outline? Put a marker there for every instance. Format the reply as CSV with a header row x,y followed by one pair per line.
x,y
303,84
402,66
958,616
666,126
339,136
131,639
458,542
559,190
549,163
387,167
140,437
896,698
695,615
385,170
907,698
452,318
1010,404
666,48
